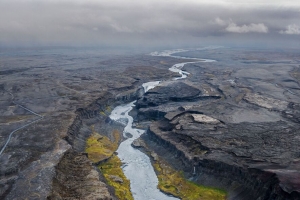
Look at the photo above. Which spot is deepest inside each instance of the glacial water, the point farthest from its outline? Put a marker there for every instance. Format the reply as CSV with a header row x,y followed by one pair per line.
x,y
137,166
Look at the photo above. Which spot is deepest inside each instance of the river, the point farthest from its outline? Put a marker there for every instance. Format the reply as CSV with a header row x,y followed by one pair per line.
x,y
137,166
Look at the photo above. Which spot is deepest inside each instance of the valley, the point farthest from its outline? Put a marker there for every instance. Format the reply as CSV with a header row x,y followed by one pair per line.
x,y
231,124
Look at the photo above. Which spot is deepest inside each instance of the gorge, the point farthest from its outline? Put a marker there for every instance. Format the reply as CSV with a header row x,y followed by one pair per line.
x,y
231,124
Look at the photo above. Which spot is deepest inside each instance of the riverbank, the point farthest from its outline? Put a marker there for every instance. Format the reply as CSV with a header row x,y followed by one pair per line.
x,y
231,91
230,142
136,164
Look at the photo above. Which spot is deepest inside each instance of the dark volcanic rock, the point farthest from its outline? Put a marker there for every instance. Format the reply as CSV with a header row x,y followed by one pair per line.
x,y
77,178
246,141
250,157
177,91
253,152
69,93
261,159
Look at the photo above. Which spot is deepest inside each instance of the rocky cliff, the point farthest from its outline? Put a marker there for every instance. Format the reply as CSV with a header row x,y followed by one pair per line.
x,y
251,160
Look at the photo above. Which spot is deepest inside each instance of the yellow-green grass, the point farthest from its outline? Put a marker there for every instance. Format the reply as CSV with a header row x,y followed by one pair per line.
x,y
173,182
102,113
106,111
101,147
112,168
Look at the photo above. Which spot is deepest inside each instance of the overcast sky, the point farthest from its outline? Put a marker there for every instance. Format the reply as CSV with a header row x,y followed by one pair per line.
x,y
149,22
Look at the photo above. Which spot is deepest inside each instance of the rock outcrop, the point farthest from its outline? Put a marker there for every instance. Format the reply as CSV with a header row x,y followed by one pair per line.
x,y
77,178
174,91
250,157
258,159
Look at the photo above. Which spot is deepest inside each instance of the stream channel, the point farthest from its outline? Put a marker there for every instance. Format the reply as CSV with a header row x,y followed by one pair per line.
x,y
136,165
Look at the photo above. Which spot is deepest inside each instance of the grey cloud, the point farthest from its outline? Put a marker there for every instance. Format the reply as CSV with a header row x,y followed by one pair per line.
x,y
291,29
234,28
258,28
221,22
131,22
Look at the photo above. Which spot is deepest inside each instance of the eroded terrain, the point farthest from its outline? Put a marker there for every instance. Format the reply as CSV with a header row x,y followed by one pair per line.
x,y
69,89
235,122
232,124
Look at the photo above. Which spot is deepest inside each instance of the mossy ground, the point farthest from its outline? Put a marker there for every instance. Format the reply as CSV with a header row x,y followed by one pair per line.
x,y
173,182
112,168
100,148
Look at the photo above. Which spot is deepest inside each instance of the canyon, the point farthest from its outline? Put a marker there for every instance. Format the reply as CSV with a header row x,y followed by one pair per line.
x,y
231,124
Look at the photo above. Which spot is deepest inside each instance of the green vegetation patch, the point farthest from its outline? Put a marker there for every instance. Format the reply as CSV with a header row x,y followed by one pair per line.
x,y
111,169
102,148
173,182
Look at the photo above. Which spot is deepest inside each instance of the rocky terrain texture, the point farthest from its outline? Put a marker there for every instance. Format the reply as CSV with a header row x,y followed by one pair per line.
x,y
236,121
69,88
244,136
77,178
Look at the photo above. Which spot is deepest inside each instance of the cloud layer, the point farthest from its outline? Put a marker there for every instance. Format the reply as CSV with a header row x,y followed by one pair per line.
x,y
147,22
258,28
292,29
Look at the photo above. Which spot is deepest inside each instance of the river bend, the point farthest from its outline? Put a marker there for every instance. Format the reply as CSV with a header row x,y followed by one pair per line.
x,y
137,166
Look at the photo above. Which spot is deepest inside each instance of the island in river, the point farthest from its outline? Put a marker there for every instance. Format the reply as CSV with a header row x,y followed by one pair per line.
x,y
232,124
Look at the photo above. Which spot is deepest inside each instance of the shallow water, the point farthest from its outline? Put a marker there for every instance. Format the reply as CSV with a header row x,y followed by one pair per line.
x,y
177,67
137,166
150,85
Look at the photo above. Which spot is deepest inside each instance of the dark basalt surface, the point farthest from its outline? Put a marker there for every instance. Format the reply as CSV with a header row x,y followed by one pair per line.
x,y
70,93
174,91
252,150
76,177
252,147
269,149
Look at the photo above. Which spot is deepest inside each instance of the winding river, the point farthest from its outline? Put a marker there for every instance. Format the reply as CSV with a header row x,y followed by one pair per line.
x,y
137,166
